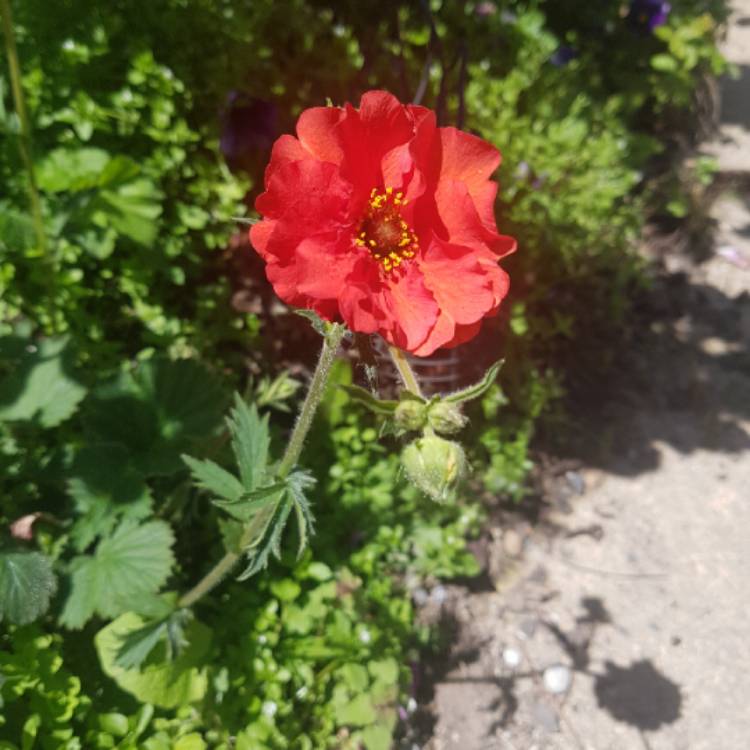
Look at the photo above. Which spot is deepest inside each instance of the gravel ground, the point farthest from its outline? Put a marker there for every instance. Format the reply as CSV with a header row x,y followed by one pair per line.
x,y
621,621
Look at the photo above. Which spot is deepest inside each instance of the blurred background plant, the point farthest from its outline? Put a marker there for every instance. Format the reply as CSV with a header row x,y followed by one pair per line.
x,y
125,327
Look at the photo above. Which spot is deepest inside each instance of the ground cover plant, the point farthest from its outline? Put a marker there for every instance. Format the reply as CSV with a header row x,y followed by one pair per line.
x,y
132,313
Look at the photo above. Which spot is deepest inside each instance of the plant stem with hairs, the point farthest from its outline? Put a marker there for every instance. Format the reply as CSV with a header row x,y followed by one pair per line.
x,y
408,376
257,525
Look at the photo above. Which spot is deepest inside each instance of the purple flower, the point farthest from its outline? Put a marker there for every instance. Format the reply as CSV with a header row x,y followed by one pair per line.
x,y
646,15
248,127
563,55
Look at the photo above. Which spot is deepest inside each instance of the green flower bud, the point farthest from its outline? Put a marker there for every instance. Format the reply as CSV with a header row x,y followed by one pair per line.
x,y
445,418
434,465
411,415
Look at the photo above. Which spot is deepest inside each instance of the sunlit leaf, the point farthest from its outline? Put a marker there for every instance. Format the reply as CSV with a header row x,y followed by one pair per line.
x,y
131,564
160,680
42,386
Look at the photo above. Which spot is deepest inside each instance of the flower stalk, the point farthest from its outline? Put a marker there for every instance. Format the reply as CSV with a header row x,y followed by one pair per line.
x,y
408,376
256,527
24,140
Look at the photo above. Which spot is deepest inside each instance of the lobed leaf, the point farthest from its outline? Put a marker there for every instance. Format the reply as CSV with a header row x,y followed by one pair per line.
x,y
161,681
127,567
41,387
157,411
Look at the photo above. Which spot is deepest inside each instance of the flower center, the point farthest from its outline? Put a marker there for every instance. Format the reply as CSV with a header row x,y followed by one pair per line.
x,y
383,231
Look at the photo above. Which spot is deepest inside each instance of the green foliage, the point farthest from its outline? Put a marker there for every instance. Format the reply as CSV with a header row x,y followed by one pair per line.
x,y
117,339
156,412
26,585
161,681
128,567
40,385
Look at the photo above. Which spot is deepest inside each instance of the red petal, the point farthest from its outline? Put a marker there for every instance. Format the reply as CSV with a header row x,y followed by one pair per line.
x,y
260,234
459,215
467,158
358,300
317,132
462,287
381,124
309,193
322,268
410,308
467,287
287,148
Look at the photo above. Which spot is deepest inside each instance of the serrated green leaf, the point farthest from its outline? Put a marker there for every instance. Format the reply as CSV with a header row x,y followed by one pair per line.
x,y
364,397
131,564
137,644
245,507
478,389
27,584
161,681
250,442
158,411
105,489
268,542
210,476
298,483
42,386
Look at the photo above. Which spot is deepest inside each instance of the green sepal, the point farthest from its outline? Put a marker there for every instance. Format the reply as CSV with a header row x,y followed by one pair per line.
x,y
364,397
478,389
321,326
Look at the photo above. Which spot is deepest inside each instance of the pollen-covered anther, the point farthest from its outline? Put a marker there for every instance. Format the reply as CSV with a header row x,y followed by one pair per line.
x,y
384,232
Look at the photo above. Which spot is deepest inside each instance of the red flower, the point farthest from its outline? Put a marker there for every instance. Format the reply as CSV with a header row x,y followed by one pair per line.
x,y
381,219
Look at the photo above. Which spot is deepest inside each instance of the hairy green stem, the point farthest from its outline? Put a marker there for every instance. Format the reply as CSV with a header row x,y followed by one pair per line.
x,y
405,371
24,140
260,520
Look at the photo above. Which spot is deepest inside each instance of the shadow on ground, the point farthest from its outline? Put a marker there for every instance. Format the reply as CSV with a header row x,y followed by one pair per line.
x,y
635,694
680,376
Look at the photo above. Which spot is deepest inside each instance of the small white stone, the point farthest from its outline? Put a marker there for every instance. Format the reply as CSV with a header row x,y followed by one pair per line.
x,y
511,657
439,594
557,678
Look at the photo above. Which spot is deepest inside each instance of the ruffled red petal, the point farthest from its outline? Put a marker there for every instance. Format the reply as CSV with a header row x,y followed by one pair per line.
x,y
466,288
319,190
